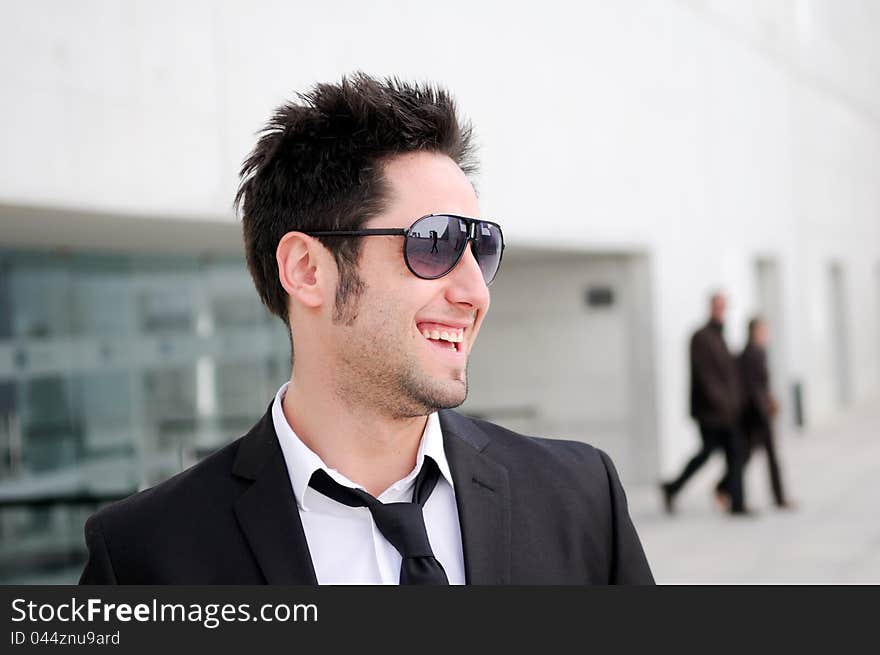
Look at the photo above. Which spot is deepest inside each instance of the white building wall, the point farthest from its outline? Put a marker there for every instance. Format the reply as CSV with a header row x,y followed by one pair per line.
x,y
704,133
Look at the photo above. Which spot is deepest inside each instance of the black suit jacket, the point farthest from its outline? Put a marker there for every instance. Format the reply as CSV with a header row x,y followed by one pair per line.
x,y
756,387
715,383
532,511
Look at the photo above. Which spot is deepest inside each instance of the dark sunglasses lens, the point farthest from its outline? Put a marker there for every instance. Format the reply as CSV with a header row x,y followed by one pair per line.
x,y
434,244
488,245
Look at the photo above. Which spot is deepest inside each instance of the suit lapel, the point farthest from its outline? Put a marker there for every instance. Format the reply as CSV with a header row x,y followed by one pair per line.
x,y
267,512
482,493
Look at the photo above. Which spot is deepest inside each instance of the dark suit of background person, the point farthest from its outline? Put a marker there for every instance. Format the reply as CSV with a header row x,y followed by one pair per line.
x,y
715,405
532,511
760,407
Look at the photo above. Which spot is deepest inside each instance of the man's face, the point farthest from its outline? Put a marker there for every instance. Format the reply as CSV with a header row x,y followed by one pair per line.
x,y
761,334
383,358
718,305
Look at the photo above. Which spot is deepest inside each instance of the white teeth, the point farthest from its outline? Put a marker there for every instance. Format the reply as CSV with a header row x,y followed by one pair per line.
x,y
454,336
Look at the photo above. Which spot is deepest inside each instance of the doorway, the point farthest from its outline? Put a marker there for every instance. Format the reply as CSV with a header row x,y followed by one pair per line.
x,y
565,352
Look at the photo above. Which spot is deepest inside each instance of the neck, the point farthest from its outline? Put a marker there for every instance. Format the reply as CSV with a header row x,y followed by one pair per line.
x,y
367,447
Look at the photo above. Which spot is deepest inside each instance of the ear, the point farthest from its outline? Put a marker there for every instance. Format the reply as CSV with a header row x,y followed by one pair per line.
x,y
305,269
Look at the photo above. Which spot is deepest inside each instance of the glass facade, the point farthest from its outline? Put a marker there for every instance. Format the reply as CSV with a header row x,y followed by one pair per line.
x,y
116,372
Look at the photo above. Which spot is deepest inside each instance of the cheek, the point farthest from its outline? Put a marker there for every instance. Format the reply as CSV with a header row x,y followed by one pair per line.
x,y
385,314
386,259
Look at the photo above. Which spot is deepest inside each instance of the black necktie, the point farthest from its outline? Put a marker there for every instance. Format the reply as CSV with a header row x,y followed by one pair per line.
x,y
402,524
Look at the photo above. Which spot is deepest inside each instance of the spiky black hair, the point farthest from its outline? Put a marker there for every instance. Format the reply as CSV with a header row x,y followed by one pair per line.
x,y
318,166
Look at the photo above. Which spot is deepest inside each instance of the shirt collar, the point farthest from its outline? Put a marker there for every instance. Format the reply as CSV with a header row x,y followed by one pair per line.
x,y
302,462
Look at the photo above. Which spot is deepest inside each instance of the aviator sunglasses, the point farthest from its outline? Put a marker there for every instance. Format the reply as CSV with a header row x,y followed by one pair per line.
x,y
434,244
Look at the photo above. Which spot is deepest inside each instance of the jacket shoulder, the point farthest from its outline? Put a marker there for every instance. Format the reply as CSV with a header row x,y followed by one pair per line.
x,y
544,457
702,335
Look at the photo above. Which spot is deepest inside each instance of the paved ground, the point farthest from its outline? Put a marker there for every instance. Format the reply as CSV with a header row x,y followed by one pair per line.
x,y
832,471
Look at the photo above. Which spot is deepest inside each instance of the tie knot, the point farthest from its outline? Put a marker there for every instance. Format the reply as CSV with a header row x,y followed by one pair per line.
x,y
402,524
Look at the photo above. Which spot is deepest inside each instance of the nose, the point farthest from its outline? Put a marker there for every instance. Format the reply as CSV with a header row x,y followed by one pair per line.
x,y
466,284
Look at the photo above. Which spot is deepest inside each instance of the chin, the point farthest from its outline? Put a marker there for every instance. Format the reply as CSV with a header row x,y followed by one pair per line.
x,y
451,401
434,395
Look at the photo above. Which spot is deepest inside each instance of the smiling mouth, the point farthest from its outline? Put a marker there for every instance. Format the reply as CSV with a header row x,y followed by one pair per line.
x,y
447,338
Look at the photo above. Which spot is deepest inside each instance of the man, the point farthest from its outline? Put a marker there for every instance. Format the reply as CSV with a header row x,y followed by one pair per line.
x,y
361,231
715,405
760,406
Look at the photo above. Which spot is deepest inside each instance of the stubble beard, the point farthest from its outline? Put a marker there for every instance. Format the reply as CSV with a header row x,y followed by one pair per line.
x,y
430,395
386,378
390,380
395,387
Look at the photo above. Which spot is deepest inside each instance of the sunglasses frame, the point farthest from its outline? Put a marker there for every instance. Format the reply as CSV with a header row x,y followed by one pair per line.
x,y
401,232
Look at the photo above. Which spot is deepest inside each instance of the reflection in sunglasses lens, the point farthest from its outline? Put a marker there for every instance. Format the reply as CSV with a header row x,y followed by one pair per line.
x,y
434,245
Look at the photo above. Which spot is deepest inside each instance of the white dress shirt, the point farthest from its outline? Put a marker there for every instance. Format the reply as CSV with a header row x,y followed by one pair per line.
x,y
344,542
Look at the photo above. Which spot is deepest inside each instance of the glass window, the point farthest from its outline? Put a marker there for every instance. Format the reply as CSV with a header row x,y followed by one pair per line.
x,y
116,372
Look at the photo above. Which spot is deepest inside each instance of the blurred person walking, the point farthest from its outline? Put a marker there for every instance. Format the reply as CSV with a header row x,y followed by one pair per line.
x,y
759,409
716,402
